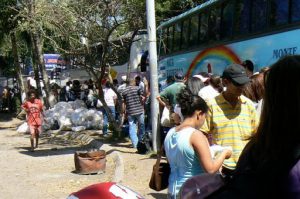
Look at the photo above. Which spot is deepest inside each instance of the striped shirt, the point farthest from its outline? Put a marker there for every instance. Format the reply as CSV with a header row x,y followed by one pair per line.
x,y
132,98
230,126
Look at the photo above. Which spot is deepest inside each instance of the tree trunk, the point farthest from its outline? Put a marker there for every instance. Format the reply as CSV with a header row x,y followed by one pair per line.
x,y
35,68
41,63
17,63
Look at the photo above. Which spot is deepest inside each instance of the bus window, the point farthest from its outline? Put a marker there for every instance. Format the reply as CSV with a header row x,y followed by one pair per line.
x,y
243,17
194,30
185,34
259,15
203,28
170,39
177,36
214,24
227,20
163,42
279,14
295,10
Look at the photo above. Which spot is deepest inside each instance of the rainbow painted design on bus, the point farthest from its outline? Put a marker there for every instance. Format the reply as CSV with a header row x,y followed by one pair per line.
x,y
221,52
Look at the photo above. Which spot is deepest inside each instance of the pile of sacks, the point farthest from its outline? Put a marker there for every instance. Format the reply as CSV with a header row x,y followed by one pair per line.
x,y
72,116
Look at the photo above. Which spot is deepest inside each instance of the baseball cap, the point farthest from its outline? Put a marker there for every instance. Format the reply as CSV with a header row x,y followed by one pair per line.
x,y
236,73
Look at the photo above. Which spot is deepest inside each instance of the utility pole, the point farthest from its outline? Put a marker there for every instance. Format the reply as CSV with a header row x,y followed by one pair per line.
x,y
151,28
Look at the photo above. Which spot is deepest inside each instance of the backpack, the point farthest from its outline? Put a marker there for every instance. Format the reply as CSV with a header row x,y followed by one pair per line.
x,y
145,145
71,95
62,94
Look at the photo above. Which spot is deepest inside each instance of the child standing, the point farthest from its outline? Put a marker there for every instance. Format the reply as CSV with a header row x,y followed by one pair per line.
x,y
34,110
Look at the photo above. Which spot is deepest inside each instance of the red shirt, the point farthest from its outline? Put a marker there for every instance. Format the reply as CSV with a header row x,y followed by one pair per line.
x,y
34,112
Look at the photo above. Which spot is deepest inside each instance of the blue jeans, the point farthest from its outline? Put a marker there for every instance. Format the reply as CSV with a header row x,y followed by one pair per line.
x,y
133,120
105,118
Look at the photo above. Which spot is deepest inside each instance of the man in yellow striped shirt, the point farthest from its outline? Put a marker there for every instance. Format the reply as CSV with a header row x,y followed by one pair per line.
x,y
231,119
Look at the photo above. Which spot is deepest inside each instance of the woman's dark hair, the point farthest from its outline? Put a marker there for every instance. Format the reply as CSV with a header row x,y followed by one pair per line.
x,y
189,103
248,65
32,91
107,84
255,89
170,80
273,147
194,84
278,132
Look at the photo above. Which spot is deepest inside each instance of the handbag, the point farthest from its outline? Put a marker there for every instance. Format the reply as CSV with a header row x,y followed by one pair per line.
x,y
160,174
89,162
201,186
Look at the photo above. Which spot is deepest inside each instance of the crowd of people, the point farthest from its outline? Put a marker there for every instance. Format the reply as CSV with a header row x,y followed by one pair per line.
x,y
10,100
254,117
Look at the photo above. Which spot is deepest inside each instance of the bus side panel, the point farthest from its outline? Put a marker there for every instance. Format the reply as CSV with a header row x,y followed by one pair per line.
x,y
262,51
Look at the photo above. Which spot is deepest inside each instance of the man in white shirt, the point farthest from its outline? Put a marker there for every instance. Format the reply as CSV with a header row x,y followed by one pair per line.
x,y
110,98
213,88
140,83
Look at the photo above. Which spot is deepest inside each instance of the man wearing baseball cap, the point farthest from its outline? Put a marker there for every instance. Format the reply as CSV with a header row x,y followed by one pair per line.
x,y
231,119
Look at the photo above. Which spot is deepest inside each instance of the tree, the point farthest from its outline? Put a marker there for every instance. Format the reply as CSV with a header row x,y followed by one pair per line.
x,y
8,27
92,33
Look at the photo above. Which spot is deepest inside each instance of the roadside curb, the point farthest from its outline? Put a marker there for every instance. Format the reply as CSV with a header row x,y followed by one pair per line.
x,y
95,144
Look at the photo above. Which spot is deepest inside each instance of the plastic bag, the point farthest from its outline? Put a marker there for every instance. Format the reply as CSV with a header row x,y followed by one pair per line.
x,y
97,122
62,105
78,128
99,104
64,123
77,104
165,118
78,117
23,128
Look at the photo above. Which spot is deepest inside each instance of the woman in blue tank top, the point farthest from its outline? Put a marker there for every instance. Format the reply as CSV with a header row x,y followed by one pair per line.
x,y
187,148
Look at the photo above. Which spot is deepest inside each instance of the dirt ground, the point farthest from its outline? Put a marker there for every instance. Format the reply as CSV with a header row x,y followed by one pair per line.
x,y
48,172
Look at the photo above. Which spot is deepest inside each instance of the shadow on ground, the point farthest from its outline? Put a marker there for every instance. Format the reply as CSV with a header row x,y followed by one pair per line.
x,y
40,152
53,145
5,118
159,195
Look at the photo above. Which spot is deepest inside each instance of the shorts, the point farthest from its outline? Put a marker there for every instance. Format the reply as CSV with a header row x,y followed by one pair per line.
x,y
33,127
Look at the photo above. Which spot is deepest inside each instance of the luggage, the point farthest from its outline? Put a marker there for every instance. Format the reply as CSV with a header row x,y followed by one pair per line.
x,y
90,162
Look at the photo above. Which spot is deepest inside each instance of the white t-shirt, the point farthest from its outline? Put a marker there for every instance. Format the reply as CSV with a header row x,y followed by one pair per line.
x,y
142,87
208,92
109,96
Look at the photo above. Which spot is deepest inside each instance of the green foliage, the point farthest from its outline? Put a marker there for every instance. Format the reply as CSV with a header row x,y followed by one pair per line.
x,y
63,24
8,12
166,9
